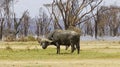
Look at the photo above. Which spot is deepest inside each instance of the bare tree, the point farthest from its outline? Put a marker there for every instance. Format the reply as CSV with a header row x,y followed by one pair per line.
x,y
6,16
17,23
1,25
88,28
6,5
109,20
25,23
42,23
8,13
115,22
73,11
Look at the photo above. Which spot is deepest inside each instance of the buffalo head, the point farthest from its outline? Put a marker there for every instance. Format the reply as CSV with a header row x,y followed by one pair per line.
x,y
44,42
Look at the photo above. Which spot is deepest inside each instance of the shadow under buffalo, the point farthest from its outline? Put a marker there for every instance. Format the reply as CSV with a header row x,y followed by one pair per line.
x,y
65,53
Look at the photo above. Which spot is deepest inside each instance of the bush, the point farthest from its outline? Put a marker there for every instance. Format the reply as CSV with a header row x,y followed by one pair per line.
x,y
31,38
28,38
9,38
22,39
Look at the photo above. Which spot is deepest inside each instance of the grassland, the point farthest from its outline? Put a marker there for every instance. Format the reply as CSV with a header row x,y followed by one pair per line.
x,y
29,54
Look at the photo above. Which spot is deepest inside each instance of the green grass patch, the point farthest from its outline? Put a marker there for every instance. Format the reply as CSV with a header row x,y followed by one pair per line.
x,y
50,53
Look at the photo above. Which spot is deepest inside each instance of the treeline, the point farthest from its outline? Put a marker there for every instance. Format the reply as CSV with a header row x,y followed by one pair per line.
x,y
96,21
105,23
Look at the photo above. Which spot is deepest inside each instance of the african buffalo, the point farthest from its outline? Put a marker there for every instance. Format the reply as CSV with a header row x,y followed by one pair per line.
x,y
62,37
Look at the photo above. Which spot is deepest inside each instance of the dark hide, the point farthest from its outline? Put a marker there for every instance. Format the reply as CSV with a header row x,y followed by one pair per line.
x,y
63,37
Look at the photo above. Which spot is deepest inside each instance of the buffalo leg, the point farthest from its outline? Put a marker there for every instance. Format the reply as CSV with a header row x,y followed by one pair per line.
x,y
58,48
72,48
78,48
67,46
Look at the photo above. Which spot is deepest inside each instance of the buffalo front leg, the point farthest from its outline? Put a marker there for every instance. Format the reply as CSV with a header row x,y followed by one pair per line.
x,y
58,48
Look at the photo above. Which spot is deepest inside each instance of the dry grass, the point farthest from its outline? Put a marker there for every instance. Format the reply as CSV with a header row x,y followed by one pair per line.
x,y
29,54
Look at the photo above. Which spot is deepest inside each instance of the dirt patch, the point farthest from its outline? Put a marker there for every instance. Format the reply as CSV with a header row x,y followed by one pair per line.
x,y
63,63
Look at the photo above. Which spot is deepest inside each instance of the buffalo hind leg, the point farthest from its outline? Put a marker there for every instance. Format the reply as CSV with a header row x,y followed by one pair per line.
x,y
72,48
67,46
78,48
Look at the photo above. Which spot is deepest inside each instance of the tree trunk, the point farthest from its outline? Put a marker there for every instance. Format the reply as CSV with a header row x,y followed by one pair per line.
x,y
96,29
1,29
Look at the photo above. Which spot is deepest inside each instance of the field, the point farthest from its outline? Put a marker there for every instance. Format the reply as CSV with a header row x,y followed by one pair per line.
x,y
29,54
